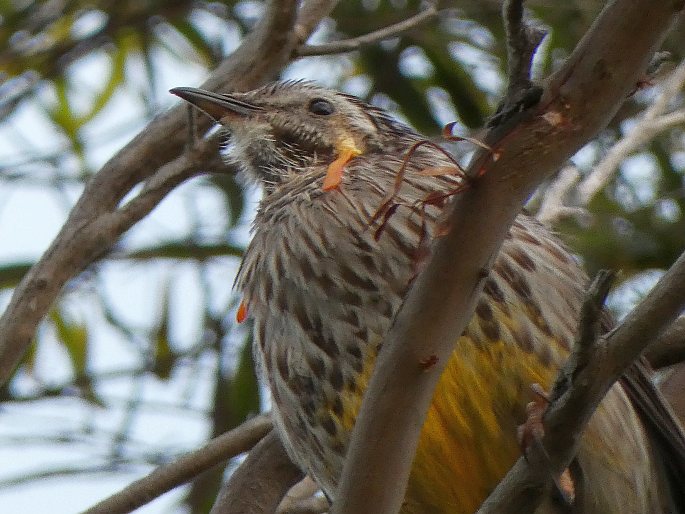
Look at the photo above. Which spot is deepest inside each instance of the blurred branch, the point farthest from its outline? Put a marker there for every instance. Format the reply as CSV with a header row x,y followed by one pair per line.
x,y
181,250
185,468
11,274
81,241
69,470
310,15
654,120
669,348
305,497
552,206
577,102
85,379
584,380
155,157
58,46
260,482
349,45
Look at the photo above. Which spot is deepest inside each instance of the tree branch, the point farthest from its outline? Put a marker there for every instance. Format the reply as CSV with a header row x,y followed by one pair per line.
x,y
87,235
185,468
349,45
157,149
552,206
590,317
303,498
577,102
310,15
261,481
522,42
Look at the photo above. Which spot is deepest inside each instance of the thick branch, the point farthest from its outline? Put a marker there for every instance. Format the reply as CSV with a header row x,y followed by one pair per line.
x,y
185,468
578,101
260,482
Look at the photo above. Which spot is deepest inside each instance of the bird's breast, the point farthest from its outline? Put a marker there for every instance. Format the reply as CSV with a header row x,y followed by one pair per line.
x,y
323,285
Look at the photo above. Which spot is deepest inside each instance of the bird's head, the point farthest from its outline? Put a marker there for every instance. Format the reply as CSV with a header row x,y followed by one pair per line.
x,y
287,128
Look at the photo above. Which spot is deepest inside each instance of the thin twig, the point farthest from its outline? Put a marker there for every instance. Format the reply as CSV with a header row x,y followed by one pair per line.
x,y
522,41
73,472
185,468
349,45
590,320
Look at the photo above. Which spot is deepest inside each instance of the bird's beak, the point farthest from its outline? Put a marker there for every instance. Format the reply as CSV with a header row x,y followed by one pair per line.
x,y
216,105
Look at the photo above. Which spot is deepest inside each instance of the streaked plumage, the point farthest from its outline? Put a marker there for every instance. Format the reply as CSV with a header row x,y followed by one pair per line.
x,y
322,291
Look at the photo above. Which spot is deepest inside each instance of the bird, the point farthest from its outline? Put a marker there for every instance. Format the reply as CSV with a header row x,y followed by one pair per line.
x,y
327,269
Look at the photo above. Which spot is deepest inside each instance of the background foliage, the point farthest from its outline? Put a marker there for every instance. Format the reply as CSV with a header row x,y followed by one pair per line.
x,y
141,358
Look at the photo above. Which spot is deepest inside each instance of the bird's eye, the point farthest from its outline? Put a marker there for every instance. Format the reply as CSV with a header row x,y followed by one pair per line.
x,y
321,107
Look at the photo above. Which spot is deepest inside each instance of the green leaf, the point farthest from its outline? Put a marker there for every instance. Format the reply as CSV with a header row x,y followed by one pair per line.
x,y
182,250
164,357
64,117
11,274
245,399
234,195
74,338
115,79
197,40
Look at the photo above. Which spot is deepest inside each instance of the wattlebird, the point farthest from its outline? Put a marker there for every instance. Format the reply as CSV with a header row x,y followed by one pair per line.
x,y
334,251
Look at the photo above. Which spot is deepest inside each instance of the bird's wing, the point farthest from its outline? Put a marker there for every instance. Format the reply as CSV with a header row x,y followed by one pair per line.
x,y
664,429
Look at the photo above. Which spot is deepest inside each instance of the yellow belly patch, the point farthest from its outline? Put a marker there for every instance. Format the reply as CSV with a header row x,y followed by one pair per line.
x,y
468,441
